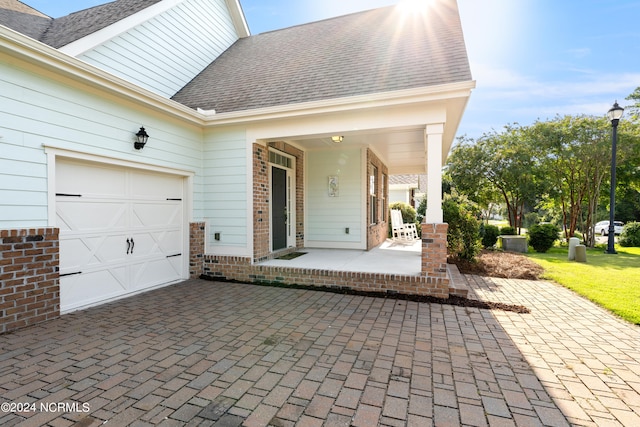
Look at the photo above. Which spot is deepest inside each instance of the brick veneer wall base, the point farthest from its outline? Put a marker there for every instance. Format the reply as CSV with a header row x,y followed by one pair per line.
x,y
241,269
29,277
196,249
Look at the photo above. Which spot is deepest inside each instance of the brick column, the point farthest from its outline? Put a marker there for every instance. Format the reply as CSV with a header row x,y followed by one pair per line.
x,y
434,250
196,249
29,277
261,195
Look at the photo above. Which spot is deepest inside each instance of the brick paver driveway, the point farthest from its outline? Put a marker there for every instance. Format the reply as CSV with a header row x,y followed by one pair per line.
x,y
206,353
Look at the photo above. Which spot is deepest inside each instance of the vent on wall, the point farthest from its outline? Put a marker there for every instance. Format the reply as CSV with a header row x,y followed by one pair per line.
x,y
279,159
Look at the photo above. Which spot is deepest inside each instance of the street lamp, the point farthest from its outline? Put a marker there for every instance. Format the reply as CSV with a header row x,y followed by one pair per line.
x,y
614,114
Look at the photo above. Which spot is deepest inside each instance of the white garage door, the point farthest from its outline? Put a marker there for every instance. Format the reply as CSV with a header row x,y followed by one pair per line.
x,y
121,231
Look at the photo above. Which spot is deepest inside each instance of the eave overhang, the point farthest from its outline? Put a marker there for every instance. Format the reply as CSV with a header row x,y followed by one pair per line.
x,y
43,59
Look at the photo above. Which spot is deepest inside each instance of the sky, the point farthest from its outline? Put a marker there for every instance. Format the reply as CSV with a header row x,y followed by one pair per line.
x,y
531,59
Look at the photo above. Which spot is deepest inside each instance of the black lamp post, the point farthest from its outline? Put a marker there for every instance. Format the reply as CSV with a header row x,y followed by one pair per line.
x,y
614,114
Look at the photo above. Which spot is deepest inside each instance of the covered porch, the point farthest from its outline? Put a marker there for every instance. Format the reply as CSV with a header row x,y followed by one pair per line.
x,y
297,210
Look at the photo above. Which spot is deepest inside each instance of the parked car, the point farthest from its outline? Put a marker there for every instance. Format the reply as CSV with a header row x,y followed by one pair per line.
x,y
602,227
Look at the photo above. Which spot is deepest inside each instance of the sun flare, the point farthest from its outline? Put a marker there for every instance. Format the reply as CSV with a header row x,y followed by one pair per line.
x,y
414,6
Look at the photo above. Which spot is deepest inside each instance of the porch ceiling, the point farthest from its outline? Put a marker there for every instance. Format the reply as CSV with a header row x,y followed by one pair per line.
x,y
395,131
403,149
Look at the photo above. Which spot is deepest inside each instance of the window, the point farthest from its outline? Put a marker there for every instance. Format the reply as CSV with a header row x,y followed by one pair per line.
x,y
279,159
373,192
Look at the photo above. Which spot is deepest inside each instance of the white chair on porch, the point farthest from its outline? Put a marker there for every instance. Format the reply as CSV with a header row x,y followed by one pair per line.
x,y
400,229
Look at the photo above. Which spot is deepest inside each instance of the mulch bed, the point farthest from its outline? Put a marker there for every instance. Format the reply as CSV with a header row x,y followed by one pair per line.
x,y
507,265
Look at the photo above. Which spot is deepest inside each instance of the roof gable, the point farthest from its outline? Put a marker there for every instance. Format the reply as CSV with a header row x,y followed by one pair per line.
x,y
61,32
375,51
70,28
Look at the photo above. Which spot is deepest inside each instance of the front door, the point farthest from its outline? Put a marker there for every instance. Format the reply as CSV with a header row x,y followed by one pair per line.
x,y
278,208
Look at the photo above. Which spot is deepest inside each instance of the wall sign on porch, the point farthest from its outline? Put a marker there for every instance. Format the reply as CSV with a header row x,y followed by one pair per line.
x,y
334,187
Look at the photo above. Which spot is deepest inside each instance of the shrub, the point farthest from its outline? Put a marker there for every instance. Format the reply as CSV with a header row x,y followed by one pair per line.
x,y
508,231
463,235
421,210
489,234
408,212
542,237
630,234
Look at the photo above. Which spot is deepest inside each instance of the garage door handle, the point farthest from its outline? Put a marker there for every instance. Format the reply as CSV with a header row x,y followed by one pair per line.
x,y
130,245
70,274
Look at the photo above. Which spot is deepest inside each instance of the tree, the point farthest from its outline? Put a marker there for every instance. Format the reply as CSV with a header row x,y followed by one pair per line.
x,y
627,171
633,110
573,151
497,163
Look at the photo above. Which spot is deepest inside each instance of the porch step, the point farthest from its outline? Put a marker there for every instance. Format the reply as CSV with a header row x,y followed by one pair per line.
x,y
458,285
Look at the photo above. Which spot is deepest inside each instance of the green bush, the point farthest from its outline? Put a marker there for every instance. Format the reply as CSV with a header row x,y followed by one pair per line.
x,y
489,234
508,231
463,236
421,210
630,234
408,212
542,236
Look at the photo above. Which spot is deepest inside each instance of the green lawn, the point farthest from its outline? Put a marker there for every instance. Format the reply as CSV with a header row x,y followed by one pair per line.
x,y
613,281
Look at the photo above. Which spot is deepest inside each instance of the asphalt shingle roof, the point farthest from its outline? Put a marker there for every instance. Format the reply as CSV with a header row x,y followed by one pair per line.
x,y
72,27
67,29
404,179
23,19
368,52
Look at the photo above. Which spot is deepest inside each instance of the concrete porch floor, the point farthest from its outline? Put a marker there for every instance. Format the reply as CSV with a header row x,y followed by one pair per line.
x,y
391,257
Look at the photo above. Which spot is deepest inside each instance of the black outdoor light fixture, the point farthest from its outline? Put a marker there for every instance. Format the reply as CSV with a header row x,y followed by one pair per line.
x,y
614,114
141,139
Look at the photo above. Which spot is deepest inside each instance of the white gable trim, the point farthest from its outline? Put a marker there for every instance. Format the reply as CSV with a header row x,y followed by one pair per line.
x,y
89,42
43,59
86,43
237,16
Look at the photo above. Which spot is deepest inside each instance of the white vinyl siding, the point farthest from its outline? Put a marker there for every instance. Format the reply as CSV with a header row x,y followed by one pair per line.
x,y
328,217
37,112
226,201
168,51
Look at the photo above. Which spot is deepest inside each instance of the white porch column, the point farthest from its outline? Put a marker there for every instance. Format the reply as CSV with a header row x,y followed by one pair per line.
x,y
434,173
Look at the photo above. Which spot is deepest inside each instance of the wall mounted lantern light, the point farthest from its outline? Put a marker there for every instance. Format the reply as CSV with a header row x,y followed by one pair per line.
x,y
337,139
141,139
